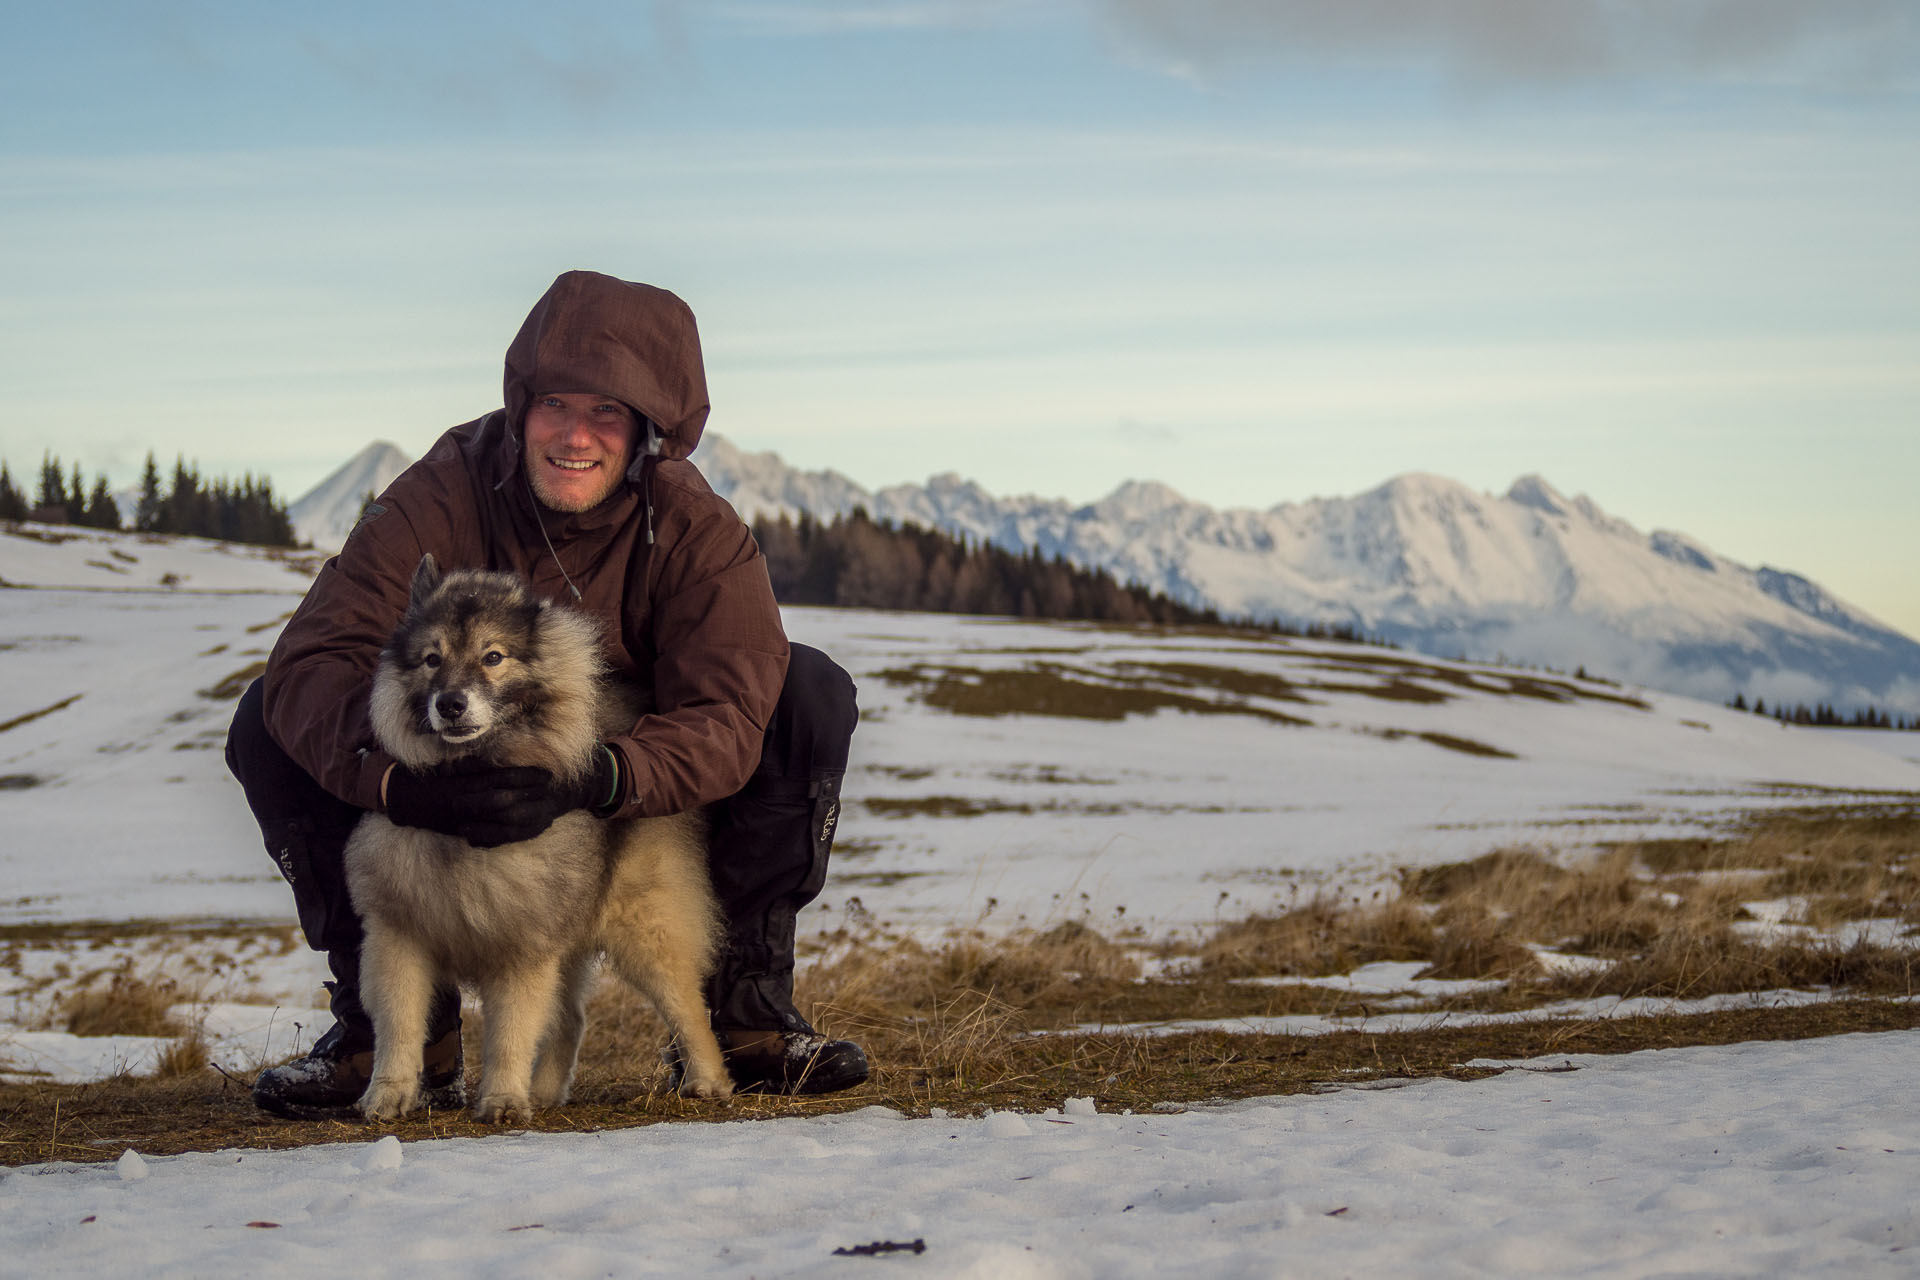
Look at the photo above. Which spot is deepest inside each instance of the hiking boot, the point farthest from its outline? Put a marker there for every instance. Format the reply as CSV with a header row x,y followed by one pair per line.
x,y
327,1082
784,1062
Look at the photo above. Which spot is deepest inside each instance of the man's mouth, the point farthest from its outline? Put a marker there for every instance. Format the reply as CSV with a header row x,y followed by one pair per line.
x,y
573,464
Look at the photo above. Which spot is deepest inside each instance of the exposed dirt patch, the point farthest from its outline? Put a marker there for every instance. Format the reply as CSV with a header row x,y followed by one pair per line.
x,y
1233,680
1050,690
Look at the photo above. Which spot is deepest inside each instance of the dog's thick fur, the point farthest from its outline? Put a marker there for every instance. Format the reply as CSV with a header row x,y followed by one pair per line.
x,y
479,669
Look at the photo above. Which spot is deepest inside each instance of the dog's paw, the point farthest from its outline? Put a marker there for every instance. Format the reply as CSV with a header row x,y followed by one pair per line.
x,y
549,1096
551,1087
718,1088
390,1099
503,1108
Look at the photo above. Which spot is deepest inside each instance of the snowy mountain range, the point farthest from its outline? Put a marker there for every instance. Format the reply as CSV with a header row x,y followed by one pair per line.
x,y
1527,576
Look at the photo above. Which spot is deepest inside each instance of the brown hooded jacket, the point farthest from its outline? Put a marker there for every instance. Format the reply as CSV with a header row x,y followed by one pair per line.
x,y
690,614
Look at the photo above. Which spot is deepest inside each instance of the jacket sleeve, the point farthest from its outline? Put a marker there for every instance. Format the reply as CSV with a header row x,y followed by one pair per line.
x,y
320,674
720,659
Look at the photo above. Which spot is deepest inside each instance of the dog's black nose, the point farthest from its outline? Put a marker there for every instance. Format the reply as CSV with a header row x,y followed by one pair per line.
x,y
451,706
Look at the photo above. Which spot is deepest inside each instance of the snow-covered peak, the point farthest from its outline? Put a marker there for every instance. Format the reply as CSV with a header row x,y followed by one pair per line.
x,y
951,486
326,513
1533,491
1138,500
1681,549
763,486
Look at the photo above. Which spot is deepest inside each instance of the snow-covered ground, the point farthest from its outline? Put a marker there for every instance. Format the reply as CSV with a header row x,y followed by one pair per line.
x,y
117,804
1771,1159
1775,1159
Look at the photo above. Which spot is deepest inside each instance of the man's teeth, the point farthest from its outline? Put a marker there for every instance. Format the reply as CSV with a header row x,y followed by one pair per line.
x,y
572,464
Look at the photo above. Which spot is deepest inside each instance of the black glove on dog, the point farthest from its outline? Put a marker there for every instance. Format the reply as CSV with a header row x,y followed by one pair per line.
x,y
488,805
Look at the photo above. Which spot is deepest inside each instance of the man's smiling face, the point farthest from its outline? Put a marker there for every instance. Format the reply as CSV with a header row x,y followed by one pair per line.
x,y
578,448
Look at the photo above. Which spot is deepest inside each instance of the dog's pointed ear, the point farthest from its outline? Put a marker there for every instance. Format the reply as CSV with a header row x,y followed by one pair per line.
x,y
425,578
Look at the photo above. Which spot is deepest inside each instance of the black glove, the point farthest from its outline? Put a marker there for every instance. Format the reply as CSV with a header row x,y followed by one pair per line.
x,y
488,805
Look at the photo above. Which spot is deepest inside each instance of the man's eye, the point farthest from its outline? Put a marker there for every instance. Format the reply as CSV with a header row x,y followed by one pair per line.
x,y
494,658
430,661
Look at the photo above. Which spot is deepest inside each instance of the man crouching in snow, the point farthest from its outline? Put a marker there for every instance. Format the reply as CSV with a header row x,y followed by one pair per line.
x,y
581,484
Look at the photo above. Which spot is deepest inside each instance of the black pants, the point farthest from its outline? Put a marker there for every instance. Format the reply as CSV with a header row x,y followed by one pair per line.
x,y
768,850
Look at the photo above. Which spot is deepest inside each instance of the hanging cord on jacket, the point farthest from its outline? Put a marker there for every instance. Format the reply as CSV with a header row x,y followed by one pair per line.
x,y
647,466
540,522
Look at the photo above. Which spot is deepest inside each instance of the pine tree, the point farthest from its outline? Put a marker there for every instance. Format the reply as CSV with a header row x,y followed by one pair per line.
x,y
53,487
77,498
13,503
101,511
146,516
189,506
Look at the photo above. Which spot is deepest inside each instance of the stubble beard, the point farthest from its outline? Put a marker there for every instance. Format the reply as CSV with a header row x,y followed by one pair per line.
x,y
609,481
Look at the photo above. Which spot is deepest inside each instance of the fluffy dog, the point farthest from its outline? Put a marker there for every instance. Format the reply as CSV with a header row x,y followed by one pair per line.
x,y
480,670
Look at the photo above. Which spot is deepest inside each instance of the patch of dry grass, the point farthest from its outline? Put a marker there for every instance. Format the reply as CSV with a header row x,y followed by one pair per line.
x,y
1661,918
940,806
210,1110
235,683
186,1056
30,716
127,1005
1134,688
1048,689
1239,681
950,1025
1326,935
1024,969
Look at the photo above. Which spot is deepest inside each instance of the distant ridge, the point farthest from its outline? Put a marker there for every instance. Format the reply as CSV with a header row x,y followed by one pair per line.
x,y
1530,576
1423,561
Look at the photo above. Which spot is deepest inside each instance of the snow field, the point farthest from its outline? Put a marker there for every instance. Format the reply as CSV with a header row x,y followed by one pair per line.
x,y
1761,1159
122,809
1745,1160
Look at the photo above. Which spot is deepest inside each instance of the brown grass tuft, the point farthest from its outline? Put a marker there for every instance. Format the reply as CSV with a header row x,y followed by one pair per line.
x,y
235,683
1023,969
1683,967
1325,936
126,1006
1048,689
184,1057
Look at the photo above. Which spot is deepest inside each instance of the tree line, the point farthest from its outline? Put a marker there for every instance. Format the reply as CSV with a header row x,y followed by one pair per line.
x,y
243,510
857,562
1823,716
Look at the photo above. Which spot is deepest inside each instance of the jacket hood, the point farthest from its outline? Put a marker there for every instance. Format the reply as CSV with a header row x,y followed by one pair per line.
x,y
594,334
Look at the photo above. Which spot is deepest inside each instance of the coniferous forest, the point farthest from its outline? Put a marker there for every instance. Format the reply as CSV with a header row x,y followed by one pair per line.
x,y
243,510
1824,716
857,562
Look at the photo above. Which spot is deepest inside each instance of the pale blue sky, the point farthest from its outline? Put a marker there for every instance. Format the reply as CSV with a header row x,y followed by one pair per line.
x,y
1661,251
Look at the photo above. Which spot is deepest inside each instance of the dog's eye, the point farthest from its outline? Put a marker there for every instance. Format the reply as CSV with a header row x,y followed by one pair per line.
x,y
430,661
494,658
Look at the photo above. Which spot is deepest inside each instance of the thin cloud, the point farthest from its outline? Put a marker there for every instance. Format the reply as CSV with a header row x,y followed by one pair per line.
x,y
1542,41
1134,431
886,15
